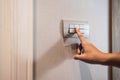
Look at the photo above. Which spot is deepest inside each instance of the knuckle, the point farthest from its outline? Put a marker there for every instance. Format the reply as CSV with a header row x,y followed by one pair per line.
x,y
85,43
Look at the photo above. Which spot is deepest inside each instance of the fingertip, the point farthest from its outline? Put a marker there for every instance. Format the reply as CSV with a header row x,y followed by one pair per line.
x,y
76,30
76,57
79,57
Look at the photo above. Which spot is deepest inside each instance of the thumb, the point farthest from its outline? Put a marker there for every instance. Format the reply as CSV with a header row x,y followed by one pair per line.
x,y
79,57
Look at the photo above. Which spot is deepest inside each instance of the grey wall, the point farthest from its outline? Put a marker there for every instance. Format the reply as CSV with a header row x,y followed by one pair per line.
x,y
53,61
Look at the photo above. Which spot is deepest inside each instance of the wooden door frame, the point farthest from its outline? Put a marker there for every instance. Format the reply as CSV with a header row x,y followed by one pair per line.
x,y
110,38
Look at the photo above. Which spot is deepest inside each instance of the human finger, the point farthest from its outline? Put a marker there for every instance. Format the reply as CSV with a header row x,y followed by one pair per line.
x,y
81,49
78,51
79,57
80,35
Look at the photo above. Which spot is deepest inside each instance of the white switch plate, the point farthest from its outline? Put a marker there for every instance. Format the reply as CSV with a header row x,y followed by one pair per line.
x,y
70,37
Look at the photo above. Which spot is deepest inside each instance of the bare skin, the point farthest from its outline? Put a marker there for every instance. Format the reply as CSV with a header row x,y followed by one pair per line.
x,y
91,54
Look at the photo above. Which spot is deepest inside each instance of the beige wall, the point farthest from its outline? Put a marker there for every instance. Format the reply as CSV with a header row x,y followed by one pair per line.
x,y
16,39
53,61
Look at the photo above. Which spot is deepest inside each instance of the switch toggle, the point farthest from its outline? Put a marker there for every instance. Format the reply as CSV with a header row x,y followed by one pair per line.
x,y
69,34
72,28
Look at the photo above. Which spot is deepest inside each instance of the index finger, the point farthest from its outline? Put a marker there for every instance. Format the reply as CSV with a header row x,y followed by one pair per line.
x,y
80,35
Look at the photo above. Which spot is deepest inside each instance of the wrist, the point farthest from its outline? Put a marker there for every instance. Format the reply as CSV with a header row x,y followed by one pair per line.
x,y
106,58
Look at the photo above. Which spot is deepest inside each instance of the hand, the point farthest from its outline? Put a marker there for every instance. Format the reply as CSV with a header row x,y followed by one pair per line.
x,y
90,53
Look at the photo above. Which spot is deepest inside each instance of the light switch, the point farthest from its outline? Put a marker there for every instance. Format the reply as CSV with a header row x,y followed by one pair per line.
x,y
69,35
72,28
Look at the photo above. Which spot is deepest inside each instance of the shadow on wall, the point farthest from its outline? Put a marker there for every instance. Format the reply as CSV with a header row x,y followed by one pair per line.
x,y
50,59
55,56
85,71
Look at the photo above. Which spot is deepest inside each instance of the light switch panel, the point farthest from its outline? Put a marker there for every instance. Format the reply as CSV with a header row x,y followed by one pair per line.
x,y
70,37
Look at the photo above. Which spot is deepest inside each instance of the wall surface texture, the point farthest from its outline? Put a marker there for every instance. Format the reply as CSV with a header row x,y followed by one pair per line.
x,y
16,39
53,61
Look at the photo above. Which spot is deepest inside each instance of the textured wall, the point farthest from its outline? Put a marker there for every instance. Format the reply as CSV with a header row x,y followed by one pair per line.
x,y
53,60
